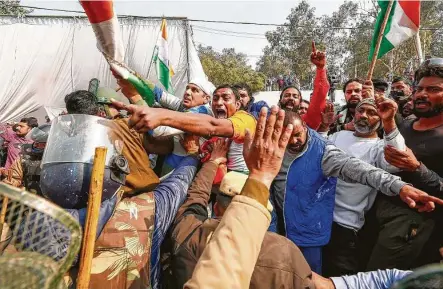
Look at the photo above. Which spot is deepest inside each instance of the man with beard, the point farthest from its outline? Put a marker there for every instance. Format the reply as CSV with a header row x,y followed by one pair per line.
x,y
303,193
354,90
229,121
247,100
407,111
380,87
418,235
353,200
16,138
196,98
304,106
401,93
290,97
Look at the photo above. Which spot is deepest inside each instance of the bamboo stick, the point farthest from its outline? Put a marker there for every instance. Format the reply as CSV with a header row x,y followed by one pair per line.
x,y
379,39
90,231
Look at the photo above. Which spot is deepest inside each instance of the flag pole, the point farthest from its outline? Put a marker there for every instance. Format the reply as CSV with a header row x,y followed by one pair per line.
x,y
379,39
418,47
155,49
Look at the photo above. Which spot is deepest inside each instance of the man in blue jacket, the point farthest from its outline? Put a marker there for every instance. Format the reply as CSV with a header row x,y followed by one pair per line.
x,y
247,101
303,193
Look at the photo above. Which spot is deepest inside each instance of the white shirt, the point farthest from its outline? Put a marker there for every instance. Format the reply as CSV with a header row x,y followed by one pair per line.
x,y
353,200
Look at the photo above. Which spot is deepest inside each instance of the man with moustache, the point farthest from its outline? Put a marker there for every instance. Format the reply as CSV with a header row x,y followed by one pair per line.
x,y
418,235
229,121
354,90
353,200
303,193
291,98
248,101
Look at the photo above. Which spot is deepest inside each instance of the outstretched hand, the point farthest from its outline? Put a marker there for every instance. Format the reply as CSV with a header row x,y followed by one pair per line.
x,y
318,58
143,118
328,116
418,199
263,152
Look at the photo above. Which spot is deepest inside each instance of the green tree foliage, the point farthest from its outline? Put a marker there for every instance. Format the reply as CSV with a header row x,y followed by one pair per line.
x,y
347,49
229,67
12,7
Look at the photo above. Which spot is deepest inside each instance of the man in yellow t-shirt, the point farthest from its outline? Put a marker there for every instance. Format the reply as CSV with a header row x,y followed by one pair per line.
x,y
229,121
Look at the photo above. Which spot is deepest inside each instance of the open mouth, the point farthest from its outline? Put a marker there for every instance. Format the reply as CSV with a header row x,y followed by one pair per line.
x,y
220,113
422,105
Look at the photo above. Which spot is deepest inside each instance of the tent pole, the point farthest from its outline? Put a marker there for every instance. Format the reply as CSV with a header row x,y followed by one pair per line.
x,y
188,73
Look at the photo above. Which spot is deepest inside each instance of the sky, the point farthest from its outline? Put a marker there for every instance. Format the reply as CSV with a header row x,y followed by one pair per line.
x,y
248,39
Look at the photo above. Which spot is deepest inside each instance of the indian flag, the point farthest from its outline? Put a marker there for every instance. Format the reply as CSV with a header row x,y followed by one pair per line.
x,y
161,58
104,22
402,24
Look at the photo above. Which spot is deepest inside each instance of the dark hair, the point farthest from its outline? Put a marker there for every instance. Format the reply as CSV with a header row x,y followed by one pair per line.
x,y
306,101
288,87
401,78
30,121
426,72
242,86
290,116
352,80
235,91
380,84
82,102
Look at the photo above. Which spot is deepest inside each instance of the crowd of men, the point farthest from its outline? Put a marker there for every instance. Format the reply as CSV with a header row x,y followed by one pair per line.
x,y
247,196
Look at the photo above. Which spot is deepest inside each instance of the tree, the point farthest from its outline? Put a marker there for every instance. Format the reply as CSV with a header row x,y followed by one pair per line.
x,y
12,7
346,36
290,46
229,67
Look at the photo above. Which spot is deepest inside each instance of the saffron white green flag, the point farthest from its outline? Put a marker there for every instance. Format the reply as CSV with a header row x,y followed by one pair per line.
x,y
403,23
161,59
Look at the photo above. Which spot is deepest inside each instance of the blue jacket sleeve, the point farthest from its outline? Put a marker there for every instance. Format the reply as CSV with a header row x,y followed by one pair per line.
x,y
171,193
157,93
169,196
381,279
256,107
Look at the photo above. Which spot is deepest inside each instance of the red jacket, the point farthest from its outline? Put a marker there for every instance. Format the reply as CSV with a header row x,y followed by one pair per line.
x,y
318,100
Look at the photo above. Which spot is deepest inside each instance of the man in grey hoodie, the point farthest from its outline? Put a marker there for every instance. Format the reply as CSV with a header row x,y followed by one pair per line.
x,y
353,200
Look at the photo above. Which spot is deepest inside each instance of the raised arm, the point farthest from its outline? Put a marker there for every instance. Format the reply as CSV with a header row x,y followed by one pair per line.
x,y
198,194
337,163
230,256
321,88
165,99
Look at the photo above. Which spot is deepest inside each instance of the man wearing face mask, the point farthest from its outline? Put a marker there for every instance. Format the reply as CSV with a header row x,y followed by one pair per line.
x,y
419,235
353,200
400,91
303,193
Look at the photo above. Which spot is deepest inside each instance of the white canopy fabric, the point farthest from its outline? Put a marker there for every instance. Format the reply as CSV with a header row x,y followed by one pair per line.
x,y
42,59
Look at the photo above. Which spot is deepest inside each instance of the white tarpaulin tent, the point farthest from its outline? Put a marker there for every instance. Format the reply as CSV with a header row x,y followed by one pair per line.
x,y
43,58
